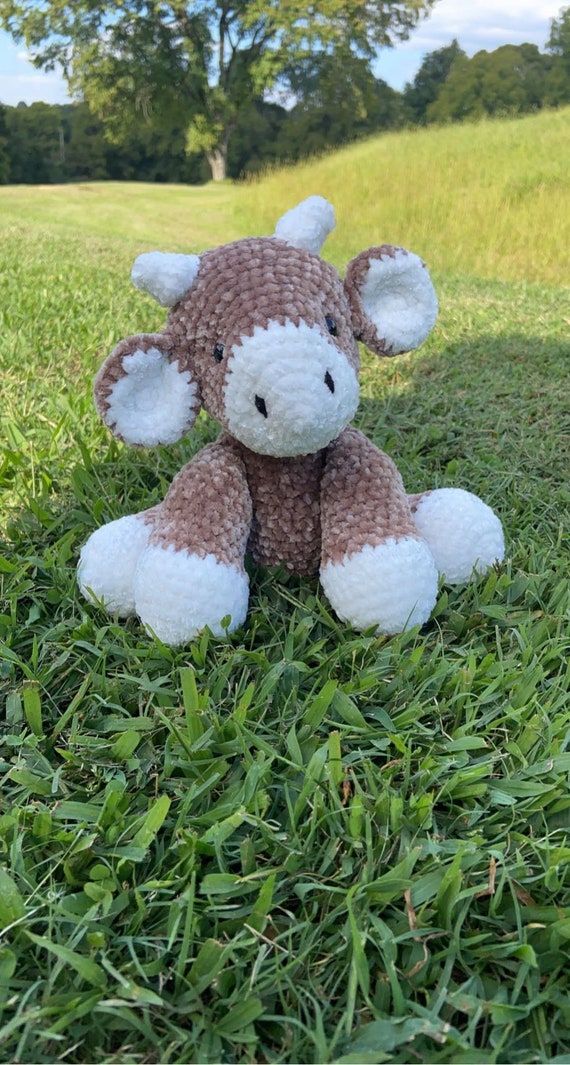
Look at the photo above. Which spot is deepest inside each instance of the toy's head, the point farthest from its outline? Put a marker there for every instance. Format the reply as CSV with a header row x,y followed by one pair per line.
x,y
262,333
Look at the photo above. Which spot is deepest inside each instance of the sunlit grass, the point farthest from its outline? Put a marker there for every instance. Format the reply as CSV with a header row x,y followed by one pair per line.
x,y
489,198
304,845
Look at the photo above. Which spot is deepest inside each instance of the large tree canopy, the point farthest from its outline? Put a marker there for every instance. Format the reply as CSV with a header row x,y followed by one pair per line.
x,y
509,80
433,72
202,62
338,99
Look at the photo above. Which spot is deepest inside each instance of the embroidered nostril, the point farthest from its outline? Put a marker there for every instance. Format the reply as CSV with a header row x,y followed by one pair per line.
x,y
329,381
260,404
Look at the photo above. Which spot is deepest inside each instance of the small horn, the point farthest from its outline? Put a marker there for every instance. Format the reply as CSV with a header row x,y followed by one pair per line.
x,y
165,275
307,225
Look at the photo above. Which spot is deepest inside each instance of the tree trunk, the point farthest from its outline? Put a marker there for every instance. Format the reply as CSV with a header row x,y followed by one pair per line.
x,y
217,159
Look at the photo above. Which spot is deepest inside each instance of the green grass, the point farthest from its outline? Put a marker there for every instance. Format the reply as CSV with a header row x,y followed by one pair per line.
x,y
303,845
489,198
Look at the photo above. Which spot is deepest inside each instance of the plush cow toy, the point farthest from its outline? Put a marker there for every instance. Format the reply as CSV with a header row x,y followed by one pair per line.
x,y
262,334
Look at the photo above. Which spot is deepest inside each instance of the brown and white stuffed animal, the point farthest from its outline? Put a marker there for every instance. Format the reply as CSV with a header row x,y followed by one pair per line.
x,y
262,334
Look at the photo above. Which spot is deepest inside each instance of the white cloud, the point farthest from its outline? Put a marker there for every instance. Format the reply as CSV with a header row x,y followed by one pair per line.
x,y
484,23
476,24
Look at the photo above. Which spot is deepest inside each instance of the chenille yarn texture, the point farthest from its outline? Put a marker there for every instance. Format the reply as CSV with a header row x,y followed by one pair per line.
x,y
262,333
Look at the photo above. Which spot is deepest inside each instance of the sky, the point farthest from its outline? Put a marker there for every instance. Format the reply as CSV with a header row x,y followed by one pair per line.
x,y
476,23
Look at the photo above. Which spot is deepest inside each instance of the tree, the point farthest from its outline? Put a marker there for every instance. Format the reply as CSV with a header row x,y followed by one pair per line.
x,y
36,143
559,41
511,79
86,148
338,99
196,64
4,157
146,153
429,79
256,139
557,87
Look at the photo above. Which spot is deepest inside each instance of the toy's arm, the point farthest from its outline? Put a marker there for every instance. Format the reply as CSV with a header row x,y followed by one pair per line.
x,y
207,509
363,499
180,565
375,569
192,572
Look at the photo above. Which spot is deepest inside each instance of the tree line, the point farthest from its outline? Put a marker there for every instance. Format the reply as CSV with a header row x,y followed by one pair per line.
x,y
332,98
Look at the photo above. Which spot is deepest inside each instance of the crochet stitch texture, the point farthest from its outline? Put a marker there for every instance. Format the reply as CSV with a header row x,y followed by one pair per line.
x,y
262,333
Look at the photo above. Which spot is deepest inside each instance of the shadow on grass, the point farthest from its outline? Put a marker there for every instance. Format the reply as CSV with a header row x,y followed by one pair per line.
x,y
486,414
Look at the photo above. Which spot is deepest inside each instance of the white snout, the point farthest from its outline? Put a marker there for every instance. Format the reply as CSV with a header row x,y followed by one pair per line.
x,y
289,390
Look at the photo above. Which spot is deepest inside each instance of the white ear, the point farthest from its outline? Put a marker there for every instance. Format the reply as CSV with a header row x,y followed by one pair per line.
x,y
398,296
144,394
392,298
165,275
307,225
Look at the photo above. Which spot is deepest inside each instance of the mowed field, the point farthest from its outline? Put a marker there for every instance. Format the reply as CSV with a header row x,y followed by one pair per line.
x,y
303,844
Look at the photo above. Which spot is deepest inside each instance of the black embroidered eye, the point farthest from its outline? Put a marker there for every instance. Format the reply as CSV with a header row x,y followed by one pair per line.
x,y
261,406
331,324
218,351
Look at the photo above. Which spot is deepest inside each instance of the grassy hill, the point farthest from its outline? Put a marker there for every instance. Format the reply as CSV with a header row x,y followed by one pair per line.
x,y
489,198
304,844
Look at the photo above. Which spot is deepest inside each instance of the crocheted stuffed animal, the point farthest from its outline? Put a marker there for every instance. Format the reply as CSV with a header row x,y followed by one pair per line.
x,y
262,334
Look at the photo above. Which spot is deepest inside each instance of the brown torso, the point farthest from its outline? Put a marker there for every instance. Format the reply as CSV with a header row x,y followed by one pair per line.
x,y
286,526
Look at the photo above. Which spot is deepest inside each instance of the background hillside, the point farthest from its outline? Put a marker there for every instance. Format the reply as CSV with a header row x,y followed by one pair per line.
x,y
304,844
487,198
323,99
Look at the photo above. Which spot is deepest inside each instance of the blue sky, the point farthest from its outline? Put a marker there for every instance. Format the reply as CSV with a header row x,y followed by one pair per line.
x,y
476,23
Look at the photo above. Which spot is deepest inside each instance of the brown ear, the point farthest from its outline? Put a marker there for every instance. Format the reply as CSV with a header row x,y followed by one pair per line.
x,y
144,394
393,301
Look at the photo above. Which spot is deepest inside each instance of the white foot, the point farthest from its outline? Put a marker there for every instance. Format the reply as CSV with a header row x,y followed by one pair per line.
x,y
177,594
108,560
392,586
464,535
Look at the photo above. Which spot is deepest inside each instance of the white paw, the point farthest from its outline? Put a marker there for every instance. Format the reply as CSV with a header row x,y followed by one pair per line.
x,y
177,594
392,585
108,560
464,535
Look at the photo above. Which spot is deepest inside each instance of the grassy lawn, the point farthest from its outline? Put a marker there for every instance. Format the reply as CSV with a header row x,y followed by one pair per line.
x,y
303,845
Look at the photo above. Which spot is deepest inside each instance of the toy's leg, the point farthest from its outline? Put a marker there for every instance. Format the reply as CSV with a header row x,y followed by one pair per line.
x,y
464,535
375,568
109,558
191,574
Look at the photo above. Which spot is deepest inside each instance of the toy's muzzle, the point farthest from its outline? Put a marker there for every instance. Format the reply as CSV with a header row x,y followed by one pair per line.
x,y
289,390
